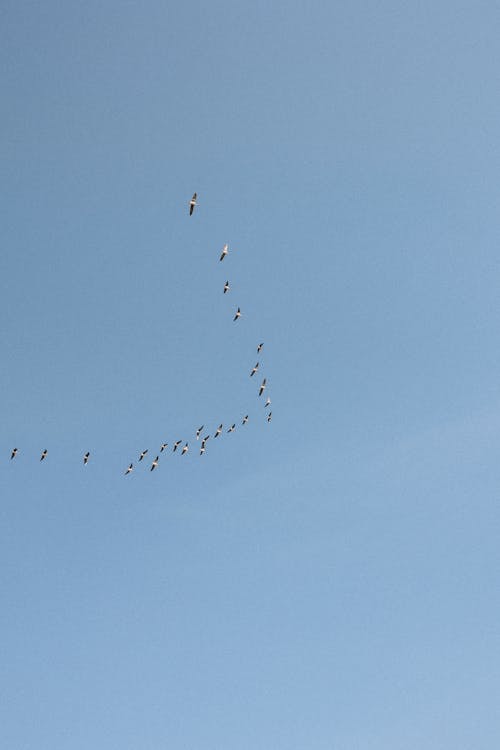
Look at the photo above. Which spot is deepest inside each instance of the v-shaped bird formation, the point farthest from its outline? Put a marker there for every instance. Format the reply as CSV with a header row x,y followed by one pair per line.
x,y
242,421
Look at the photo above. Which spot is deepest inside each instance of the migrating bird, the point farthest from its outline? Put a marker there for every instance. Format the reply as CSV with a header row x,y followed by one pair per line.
x,y
231,429
225,251
43,454
254,369
245,419
268,401
269,416
238,314
184,449
86,458
259,348
226,287
155,463
198,431
130,468
143,454
163,446
13,454
202,450
262,387
192,204
176,445
219,430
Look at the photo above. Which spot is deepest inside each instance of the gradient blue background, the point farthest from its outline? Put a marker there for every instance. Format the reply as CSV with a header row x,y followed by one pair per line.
x,y
329,580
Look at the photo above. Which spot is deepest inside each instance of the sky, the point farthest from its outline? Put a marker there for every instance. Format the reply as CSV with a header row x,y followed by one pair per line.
x,y
328,580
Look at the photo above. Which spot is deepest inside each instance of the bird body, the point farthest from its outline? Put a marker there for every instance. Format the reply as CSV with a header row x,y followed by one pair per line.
x,y
254,369
185,449
262,387
13,454
163,446
176,445
225,251
231,429
268,401
86,458
143,454
155,463
245,419
198,431
237,315
218,431
226,287
130,468
192,204
269,416
44,453
259,347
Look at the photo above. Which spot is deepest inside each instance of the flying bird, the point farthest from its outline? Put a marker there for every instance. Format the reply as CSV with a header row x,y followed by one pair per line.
x,y
130,468
262,387
13,454
268,401
43,454
259,348
225,251
198,432
176,445
231,429
254,369
86,458
226,287
238,314
245,419
202,449
269,416
219,430
207,437
163,446
155,463
143,454
192,204
184,449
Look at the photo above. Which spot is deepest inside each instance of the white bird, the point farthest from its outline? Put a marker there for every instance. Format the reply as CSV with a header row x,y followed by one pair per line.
x,y
198,432
176,445
184,449
269,416
143,454
226,287
225,251
259,348
262,387
163,446
155,463
254,369
192,204
130,468
86,458
245,419
238,314
219,430
43,454
231,429
268,401
13,454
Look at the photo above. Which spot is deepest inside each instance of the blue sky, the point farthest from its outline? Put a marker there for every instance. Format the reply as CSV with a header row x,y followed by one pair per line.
x,y
329,580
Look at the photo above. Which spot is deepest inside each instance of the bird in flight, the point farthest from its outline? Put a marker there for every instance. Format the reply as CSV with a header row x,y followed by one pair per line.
x,y
262,387
202,450
218,431
143,454
130,468
176,445
259,348
192,204
238,314
184,449
155,463
231,429
225,251
226,287
254,369
86,458
268,401
269,416
163,446
245,419
43,454
198,432
13,454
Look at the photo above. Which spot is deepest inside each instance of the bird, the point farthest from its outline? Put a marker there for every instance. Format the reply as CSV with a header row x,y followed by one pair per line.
x,y
163,446
44,453
245,419
192,204
198,432
259,348
13,454
225,251
231,429
143,454
86,458
207,437
202,450
176,445
268,401
204,442
218,431
262,387
185,449
269,416
130,468
254,369
238,314
155,463
226,287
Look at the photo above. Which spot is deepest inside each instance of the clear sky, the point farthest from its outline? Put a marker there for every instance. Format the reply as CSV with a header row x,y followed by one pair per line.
x,y
329,580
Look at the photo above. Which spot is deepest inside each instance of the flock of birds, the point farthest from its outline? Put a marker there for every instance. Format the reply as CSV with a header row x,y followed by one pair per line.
x,y
203,444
